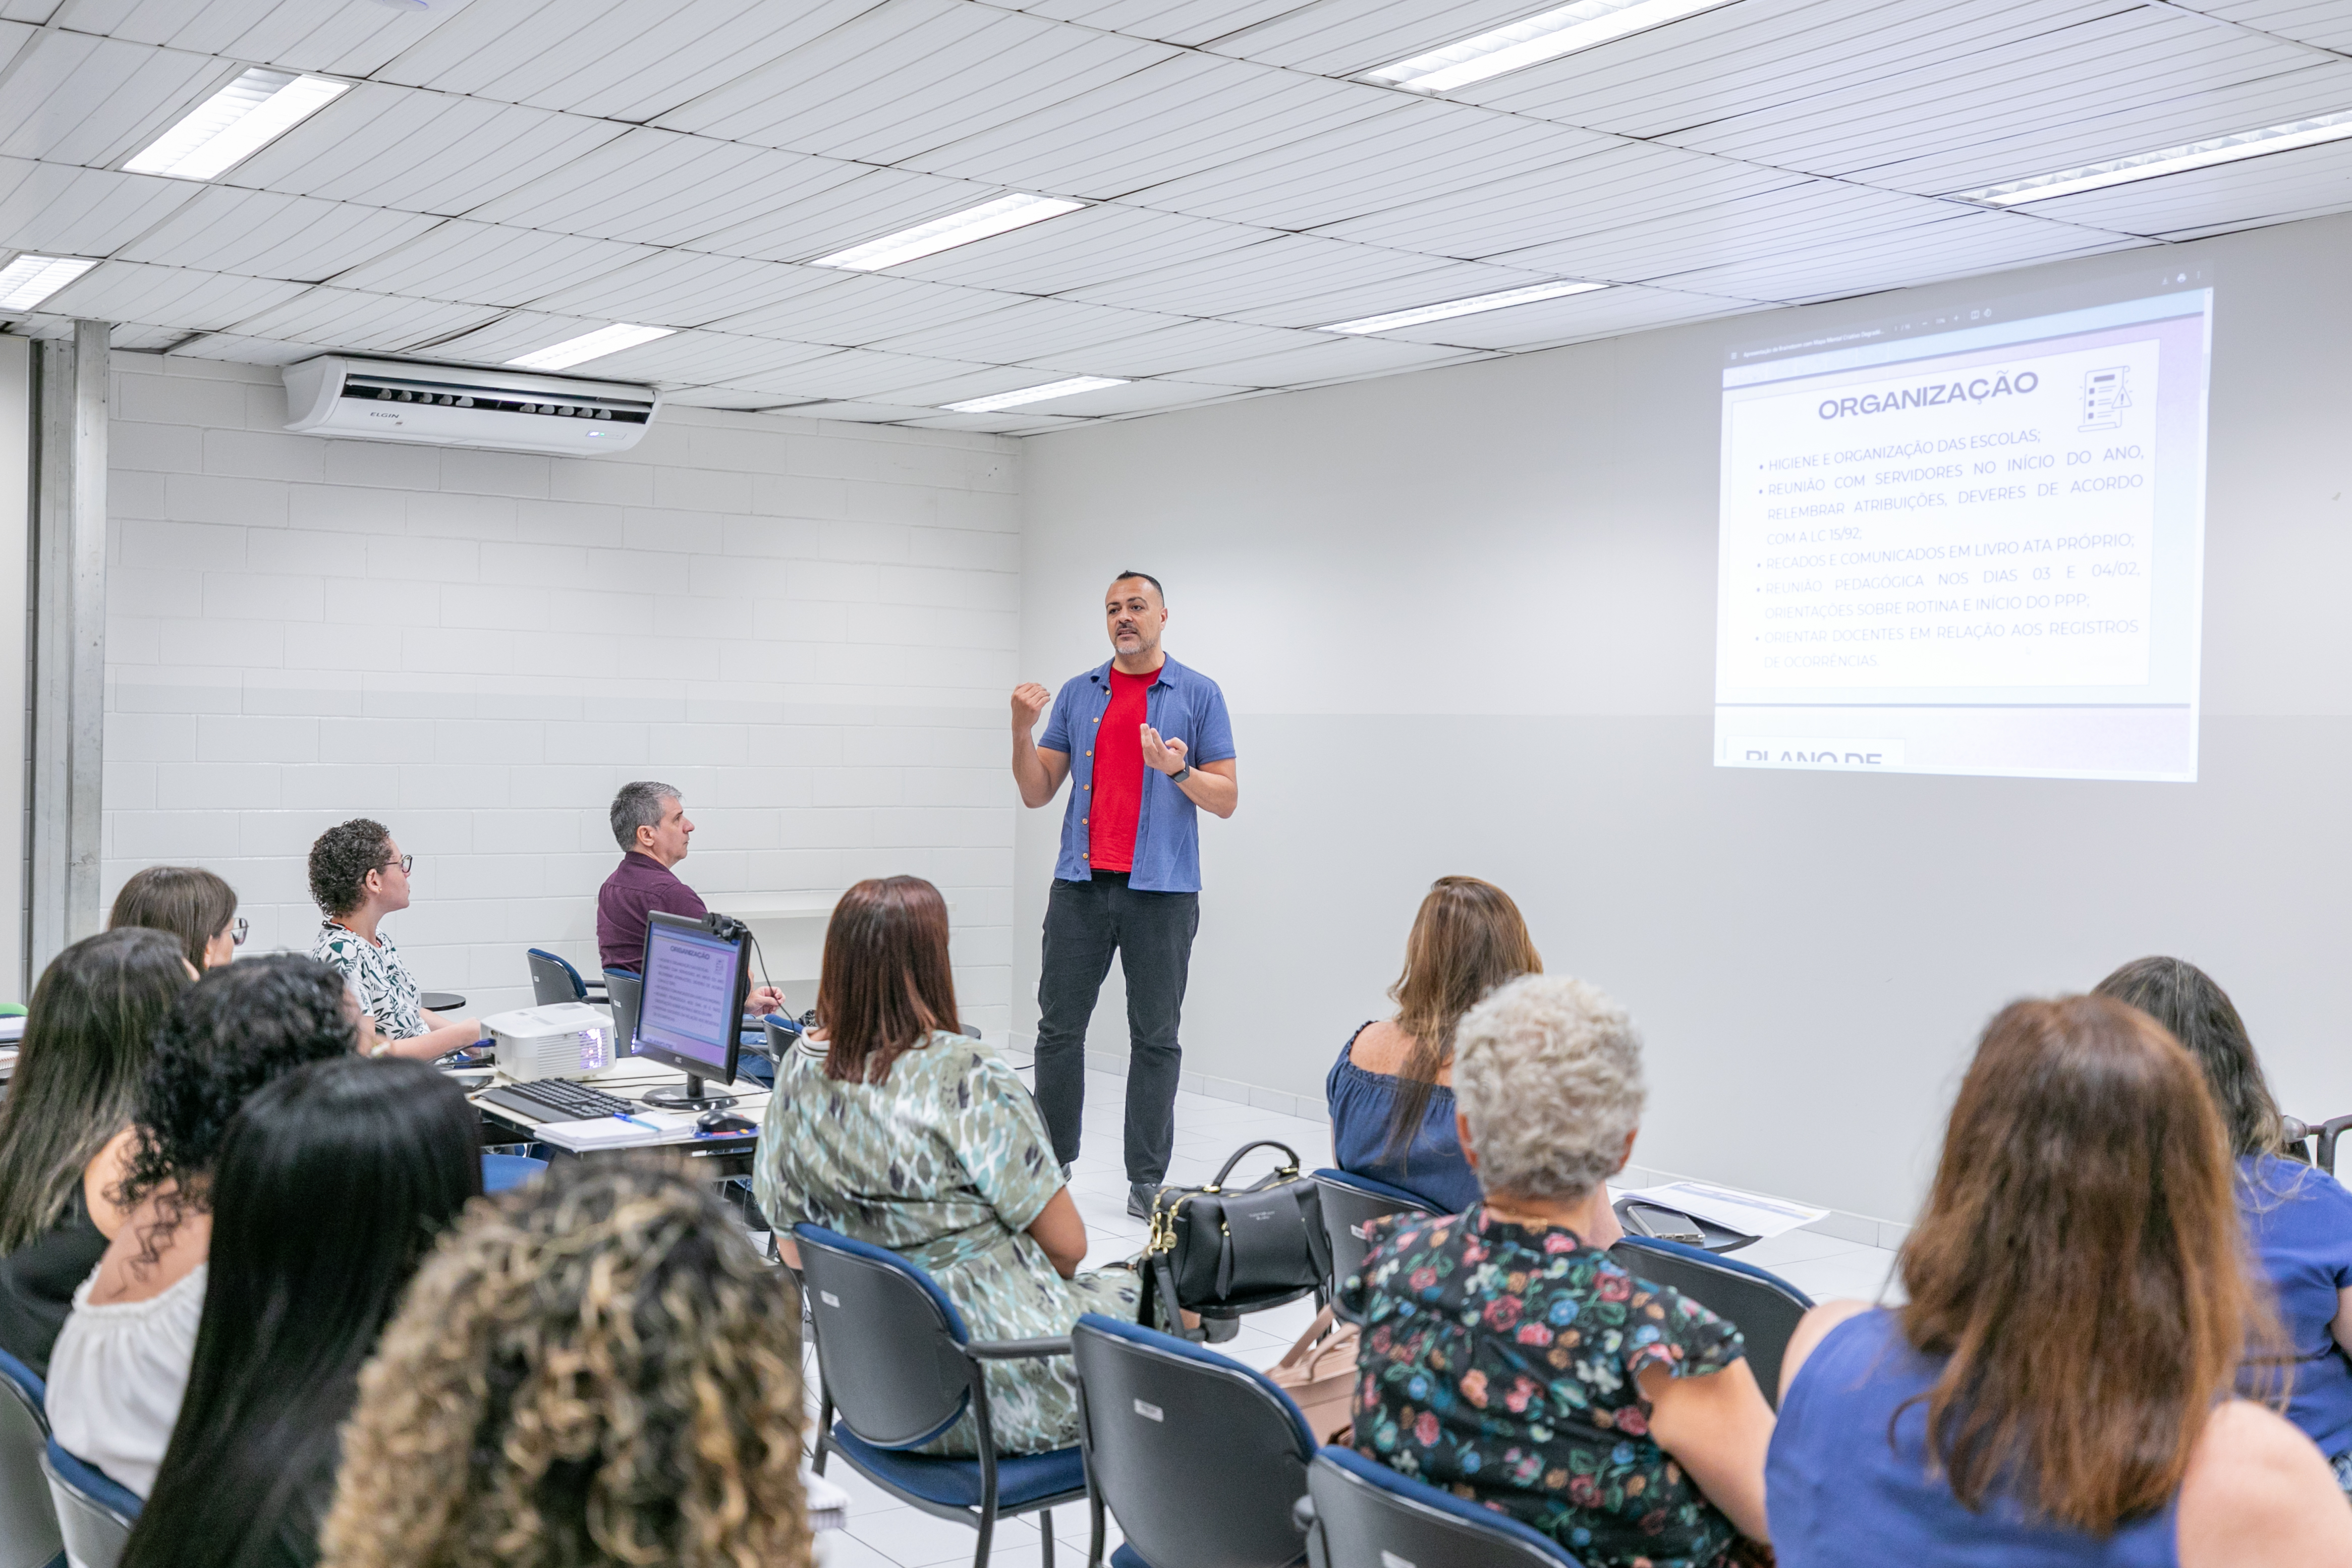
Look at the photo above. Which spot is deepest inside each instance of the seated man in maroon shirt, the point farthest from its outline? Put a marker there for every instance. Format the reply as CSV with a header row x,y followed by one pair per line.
x,y
650,823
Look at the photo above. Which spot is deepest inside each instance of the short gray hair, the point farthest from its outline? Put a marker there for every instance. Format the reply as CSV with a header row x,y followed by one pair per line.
x,y
639,805
1548,1072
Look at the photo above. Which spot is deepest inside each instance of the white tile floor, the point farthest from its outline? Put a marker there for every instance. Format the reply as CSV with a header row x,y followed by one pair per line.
x,y
884,1533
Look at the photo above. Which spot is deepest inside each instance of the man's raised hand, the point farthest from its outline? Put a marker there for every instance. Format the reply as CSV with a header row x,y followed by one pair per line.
x,y
1167,755
1030,701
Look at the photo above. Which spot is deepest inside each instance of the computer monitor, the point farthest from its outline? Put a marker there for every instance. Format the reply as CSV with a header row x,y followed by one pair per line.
x,y
690,1004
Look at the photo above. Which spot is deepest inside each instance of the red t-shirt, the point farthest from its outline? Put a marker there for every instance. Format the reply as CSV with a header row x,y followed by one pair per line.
x,y
1117,800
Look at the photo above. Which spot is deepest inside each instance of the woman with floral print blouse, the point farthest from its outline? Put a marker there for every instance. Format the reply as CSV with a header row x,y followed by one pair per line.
x,y
1509,1359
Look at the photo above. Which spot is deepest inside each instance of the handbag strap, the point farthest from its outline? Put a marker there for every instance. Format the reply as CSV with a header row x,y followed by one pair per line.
x,y
1297,1353
1217,1183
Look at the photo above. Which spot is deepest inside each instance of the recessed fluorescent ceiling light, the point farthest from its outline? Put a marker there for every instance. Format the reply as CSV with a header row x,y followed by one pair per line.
x,y
236,122
1470,307
1532,41
603,341
29,279
2166,160
1036,394
945,233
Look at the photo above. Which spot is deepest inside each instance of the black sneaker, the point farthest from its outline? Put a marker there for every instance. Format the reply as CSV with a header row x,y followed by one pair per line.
x,y
1139,1198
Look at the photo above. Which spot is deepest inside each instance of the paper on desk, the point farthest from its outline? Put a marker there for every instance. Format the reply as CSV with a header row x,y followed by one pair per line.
x,y
617,1133
1749,1214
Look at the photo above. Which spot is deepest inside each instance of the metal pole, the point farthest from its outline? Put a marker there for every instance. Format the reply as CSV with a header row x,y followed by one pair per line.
x,y
69,683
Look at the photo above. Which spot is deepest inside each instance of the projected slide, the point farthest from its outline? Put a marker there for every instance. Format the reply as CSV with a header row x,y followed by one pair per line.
x,y
1968,543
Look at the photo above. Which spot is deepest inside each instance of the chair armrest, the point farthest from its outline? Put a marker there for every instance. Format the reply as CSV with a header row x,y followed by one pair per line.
x,y
1017,1350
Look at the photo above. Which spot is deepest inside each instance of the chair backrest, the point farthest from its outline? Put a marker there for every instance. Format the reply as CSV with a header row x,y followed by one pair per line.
x,y
1763,1306
95,1511
503,1173
553,980
887,1340
622,988
1156,1407
1351,1203
29,1520
1369,1515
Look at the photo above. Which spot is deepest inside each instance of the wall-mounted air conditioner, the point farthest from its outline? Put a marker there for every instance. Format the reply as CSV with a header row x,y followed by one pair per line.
x,y
448,406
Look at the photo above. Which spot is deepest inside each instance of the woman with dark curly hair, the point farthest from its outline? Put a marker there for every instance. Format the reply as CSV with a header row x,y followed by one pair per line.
x,y
120,1363
595,1369
65,1128
357,874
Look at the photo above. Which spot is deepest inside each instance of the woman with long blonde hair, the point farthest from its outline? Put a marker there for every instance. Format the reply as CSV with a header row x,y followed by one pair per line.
x,y
1390,1092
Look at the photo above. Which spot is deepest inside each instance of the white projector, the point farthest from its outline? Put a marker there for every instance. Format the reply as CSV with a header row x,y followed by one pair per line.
x,y
566,1039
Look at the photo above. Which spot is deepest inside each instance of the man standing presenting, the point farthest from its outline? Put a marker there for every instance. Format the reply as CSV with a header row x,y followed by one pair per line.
x,y
1148,746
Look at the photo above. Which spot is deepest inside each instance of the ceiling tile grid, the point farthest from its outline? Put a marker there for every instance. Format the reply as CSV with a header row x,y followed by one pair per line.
x,y
506,174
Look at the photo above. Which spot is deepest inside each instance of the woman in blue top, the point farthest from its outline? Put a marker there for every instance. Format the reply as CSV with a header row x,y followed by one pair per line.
x,y
2298,1220
1390,1092
2057,1390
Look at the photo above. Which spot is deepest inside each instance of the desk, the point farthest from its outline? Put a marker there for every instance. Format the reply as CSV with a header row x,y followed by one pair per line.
x,y
731,1155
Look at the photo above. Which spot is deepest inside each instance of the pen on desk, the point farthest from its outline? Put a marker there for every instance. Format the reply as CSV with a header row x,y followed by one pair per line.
x,y
634,1121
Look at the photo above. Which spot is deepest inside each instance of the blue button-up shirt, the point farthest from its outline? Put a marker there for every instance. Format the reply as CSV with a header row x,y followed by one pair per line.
x,y
1183,705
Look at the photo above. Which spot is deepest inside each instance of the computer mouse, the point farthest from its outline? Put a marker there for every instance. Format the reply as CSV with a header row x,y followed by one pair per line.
x,y
724,1121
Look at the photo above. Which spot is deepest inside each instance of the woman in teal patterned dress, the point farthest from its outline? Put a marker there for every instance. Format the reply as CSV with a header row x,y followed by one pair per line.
x,y
897,1131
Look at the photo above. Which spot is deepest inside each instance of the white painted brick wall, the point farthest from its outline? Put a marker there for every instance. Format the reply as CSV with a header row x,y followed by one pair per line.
x,y
809,627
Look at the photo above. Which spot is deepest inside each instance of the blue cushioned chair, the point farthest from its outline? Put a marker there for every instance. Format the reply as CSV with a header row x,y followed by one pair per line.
x,y
1763,1306
1153,1407
1359,1512
1350,1203
502,1172
29,1520
553,980
900,1368
95,1511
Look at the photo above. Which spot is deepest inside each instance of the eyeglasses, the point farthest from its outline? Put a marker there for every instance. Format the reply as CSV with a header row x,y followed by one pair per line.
x,y
238,930
407,863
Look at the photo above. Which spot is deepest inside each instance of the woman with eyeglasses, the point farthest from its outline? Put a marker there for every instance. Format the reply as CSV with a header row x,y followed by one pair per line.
x,y
357,874
189,902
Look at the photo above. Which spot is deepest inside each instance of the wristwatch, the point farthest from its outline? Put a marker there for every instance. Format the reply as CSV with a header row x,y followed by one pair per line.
x,y
1181,774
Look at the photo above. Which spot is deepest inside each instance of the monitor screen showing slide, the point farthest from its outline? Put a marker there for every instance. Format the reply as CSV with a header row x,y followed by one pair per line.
x,y
1970,540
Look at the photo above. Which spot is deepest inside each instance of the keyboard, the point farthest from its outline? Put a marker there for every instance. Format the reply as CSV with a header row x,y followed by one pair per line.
x,y
557,1099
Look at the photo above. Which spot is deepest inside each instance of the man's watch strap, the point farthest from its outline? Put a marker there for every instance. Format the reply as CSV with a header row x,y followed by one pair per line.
x,y
1181,774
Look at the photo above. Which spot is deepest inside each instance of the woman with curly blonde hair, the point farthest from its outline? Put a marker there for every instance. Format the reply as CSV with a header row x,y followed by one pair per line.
x,y
595,1369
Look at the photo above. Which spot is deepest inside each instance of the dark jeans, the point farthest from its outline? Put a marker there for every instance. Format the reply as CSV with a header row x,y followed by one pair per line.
x,y
1152,934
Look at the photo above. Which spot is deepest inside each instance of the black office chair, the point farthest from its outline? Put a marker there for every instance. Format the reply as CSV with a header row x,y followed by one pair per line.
x,y
622,989
1152,1407
553,980
899,1366
1763,1306
2313,1142
95,1511
1349,1204
1358,1513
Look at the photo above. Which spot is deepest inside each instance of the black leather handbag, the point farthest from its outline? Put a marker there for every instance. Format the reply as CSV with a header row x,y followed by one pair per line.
x,y
1222,1251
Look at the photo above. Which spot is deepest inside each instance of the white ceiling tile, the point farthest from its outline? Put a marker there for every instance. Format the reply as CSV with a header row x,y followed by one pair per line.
x,y
425,151
362,323
297,35
144,339
1179,117
1969,243
910,74
1137,397
852,310
852,375
824,220
81,212
1025,330
687,289
715,398
497,337
1192,23
620,60
13,36
491,264
223,229
705,358
1093,246
2305,182
661,188
1300,281
239,349
1572,319
74,98
1421,148
167,296
1334,358
32,11
2326,22
858,413
1178,349
1501,216
1344,37
1010,422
